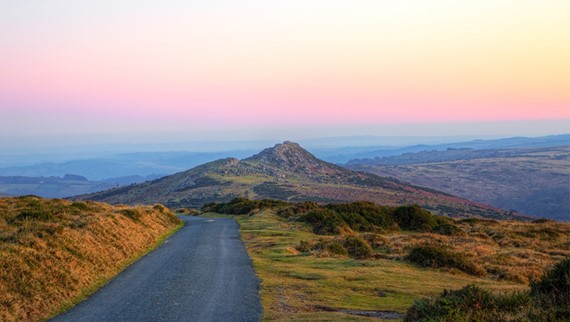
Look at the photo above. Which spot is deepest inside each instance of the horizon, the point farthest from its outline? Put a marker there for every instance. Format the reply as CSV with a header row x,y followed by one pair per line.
x,y
286,70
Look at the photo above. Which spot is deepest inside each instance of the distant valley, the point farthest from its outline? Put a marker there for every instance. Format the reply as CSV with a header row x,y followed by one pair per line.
x,y
532,181
61,187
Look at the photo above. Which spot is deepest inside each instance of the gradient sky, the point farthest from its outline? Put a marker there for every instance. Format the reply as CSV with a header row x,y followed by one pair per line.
x,y
88,67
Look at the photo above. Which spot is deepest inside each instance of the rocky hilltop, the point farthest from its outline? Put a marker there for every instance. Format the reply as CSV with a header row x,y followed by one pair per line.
x,y
288,172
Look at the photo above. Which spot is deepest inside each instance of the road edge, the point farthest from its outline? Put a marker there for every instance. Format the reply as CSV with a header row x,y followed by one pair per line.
x,y
87,292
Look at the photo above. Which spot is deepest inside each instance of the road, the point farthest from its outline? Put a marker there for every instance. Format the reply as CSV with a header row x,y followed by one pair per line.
x,y
201,273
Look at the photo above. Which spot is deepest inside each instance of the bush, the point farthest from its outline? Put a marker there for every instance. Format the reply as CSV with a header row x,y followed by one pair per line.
x,y
548,300
448,230
357,247
303,247
552,291
365,216
159,208
324,221
323,246
470,303
414,218
40,215
330,247
81,206
437,257
132,213
242,206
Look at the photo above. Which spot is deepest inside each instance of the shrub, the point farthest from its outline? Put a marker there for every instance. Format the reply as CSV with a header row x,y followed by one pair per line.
x,y
436,257
548,300
41,215
132,213
552,291
357,247
324,221
414,218
80,205
330,247
470,303
365,216
159,207
542,221
242,206
448,230
303,247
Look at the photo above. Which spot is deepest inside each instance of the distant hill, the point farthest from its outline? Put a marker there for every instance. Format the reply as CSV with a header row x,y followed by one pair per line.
x,y
505,143
57,187
532,181
287,172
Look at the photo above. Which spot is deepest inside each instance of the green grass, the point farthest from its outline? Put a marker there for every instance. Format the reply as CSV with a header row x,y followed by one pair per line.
x,y
295,285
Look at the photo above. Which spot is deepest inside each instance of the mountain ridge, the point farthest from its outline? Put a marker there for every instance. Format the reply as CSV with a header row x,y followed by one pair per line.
x,y
288,172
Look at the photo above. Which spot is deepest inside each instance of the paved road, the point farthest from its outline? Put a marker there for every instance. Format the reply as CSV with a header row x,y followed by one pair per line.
x,y
202,273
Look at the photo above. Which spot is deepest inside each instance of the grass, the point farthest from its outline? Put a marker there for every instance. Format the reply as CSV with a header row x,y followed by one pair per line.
x,y
303,287
54,253
548,300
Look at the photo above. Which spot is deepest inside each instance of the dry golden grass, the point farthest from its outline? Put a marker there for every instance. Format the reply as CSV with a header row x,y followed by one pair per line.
x,y
53,253
505,250
298,286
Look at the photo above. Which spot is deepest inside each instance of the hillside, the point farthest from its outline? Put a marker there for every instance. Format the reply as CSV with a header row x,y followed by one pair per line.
x,y
287,172
493,144
54,253
336,262
530,181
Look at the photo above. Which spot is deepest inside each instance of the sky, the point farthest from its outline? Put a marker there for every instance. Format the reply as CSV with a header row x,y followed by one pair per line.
x,y
268,69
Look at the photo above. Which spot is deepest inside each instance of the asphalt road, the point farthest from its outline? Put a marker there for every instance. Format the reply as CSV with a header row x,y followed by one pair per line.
x,y
201,273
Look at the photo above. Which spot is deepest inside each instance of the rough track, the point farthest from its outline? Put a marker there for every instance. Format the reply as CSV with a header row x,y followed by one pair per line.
x,y
201,273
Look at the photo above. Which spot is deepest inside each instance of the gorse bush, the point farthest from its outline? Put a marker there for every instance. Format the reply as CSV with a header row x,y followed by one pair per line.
x,y
448,230
548,300
242,206
436,257
359,216
414,218
357,247
134,214
470,303
340,246
552,291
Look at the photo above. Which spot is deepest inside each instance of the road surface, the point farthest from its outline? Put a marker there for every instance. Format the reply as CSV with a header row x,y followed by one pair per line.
x,y
201,273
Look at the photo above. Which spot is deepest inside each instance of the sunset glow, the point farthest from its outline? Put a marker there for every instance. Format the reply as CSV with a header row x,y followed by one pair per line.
x,y
219,63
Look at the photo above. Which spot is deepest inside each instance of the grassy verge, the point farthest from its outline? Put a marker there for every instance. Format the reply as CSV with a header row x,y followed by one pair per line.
x,y
302,287
88,291
55,253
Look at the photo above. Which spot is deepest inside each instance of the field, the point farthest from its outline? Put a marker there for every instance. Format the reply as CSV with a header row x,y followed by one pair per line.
x,y
54,253
533,181
318,286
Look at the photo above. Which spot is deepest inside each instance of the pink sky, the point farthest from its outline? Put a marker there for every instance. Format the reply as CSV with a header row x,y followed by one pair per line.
x,y
286,63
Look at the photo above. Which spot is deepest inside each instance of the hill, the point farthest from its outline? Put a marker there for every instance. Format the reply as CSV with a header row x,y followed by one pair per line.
x,y
492,144
531,181
53,253
287,172
61,187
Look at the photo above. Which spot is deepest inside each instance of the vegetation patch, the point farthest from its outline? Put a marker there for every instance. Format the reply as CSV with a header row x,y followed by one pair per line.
x,y
548,300
434,256
297,287
351,258
54,253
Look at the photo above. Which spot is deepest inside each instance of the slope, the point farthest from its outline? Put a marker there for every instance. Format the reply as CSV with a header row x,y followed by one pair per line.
x,y
531,181
287,172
